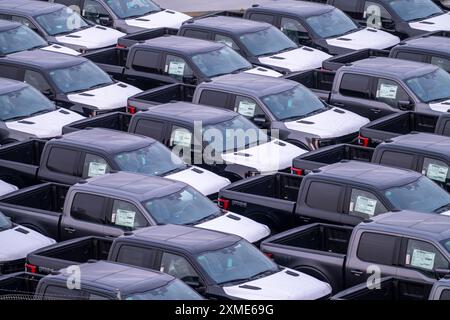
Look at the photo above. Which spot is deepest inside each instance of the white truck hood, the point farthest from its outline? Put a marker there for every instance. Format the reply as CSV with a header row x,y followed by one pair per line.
x,y
16,244
441,22
47,125
203,180
267,158
6,188
281,286
364,39
162,19
61,49
246,228
92,38
304,58
264,72
440,106
329,124
106,98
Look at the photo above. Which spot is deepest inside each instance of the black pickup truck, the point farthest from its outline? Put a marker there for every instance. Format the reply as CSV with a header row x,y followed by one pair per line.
x,y
406,244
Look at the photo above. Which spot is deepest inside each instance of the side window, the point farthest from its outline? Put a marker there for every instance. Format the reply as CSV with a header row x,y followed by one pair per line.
x,y
178,267
26,22
37,80
376,16
445,295
94,166
89,208
95,12
390,92
150,128
196,34
62,160
365,205
409,56
354,85
61,293
441,62
263,17
397,159
214,98
147,61
378,248
294,30
10,72
435,170
247,107
424,256
180,137
137,256
126,216
177,67
5,17
227,41
321,190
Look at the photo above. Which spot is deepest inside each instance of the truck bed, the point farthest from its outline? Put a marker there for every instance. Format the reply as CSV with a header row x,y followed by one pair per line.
x,y
161,95
71,252
319,81
117,121
332,154
133,38
18,286
339,61
111,60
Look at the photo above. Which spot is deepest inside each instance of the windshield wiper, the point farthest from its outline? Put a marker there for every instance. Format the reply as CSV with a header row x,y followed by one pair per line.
x,y
442,208
438,100
207,218
174,171
309,114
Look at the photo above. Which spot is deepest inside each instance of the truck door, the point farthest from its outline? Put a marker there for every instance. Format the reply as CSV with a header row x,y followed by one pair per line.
x,y
361,205
123,216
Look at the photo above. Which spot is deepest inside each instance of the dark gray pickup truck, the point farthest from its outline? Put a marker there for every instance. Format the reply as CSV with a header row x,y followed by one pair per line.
x,y
405,244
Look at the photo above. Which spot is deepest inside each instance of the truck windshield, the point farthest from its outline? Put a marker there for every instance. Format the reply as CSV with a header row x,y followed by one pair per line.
x,y
20,39
410,10
154,160
61,22
423,195
295,103
23,103
125,9
233,135
331,24
431,87
220,62
267,42
184,207
174,290
240,262
5,223
79,78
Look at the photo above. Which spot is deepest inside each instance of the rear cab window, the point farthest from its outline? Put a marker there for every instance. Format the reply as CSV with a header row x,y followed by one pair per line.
x,y
378,248
355,85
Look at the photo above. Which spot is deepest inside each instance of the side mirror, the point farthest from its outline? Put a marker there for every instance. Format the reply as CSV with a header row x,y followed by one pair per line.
x,y
49,94
193,282
441,273
405,105
259,120
190,79
105,21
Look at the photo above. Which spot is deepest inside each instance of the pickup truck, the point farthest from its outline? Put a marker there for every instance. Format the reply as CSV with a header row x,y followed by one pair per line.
x,y
99,281
395,288
405,244
111,204
426,153
376,87
217,265
354,191
402,123
88,153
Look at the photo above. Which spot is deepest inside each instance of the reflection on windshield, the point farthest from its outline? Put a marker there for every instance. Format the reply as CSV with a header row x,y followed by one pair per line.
x,y
61,21
132,8
19,39
331,24
5,223
174,290
410,10
268,41
431,87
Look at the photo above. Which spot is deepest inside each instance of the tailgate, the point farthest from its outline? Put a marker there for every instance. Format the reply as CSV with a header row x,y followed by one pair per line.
x,y
117,121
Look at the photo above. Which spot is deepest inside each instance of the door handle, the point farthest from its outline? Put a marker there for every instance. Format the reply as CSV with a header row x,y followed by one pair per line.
x,y
70,230
375,110
357,273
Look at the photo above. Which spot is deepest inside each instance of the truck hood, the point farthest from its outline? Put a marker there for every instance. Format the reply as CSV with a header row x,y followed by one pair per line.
x,y
47,125
267,158
92,38
246,228
6,188
281,286
441,22
162,19
17,242
332,123
442,106
106,98
364,39
264,72
300,59
61,49
203,180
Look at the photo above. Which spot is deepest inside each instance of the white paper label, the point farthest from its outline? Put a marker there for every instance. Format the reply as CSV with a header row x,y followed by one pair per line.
x,y
182,138
125,218
436,172
226,42
177,68
365,205
423,259
387,91
97,169
247,108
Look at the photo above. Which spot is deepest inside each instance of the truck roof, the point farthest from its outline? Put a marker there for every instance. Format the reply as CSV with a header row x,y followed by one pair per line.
x,y
134,186
106,140
396,68
430,44
115,277
191,239
190,112
8,25
184,45
432,143
43,59
435,226
251,84
29,7
377,176
231,25
8,85
302,9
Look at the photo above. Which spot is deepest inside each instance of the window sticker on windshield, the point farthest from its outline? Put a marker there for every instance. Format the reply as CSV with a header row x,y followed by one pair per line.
x,y
388,91
437,172
124,218
97,169
365,205
247,108
176,68
423,259
181,138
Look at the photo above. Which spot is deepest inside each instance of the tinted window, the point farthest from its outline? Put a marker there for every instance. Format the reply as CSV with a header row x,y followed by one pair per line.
x,y
390,92
445,295
214,98
94,11
377,248
177,67
94,166
397,159
346,5
10,72
354,85
89,208
61,293
150,128
62,160
441,62
227,41
375,14
318,191
262,17
24,21
365,205
424,256
247,107
136,256
409,56
293,29
148,61
196,34
126,216
435,170
37,80
178,267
